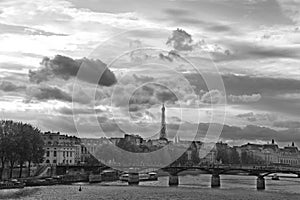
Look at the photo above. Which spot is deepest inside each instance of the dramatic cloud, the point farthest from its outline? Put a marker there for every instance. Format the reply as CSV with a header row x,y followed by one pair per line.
x,y
65,68
181,40
170,57
259,40
287,124
244,98
47,93
240,85
8,86
149,95
166,96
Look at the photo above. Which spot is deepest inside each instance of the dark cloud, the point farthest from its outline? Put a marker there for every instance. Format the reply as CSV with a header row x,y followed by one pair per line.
x,y
170,56
254,133
163,57
180,40
45,93
166,96
250,133
93,71
150,95
248,85
271,90
8,86
287,124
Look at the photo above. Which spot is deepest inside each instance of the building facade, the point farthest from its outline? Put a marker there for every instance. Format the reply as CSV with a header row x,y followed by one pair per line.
x,y
61,149
271,153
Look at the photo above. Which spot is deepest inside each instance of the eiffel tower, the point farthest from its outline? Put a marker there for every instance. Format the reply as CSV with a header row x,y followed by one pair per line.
x,y
163,134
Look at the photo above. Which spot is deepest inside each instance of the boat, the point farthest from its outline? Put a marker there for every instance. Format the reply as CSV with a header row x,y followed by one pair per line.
x,y
109,175
152,176
124,177
275,177
95,178
12,184
143,177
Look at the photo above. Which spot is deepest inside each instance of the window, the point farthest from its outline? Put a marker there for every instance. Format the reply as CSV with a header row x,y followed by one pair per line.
x,y
54,153
54,161
63,154
47,161
48,153
70,153
67,154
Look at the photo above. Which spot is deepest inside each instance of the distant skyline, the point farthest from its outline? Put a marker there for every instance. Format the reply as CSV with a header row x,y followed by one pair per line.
x,y
254,44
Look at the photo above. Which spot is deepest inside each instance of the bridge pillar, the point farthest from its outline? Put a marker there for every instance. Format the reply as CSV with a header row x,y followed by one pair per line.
x,y
133,178
173,180
215,181
260,183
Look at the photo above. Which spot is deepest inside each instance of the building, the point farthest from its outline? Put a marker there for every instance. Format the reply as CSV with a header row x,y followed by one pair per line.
x,y
271,153
61,149
134,139
289,155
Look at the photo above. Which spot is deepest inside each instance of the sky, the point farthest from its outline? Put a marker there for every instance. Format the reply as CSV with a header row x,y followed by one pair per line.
x,y
103,67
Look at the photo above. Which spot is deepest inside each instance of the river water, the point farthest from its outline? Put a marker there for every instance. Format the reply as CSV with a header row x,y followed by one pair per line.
x,y
191,187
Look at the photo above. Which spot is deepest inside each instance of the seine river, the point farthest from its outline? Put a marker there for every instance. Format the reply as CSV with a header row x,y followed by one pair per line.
x,y
191,187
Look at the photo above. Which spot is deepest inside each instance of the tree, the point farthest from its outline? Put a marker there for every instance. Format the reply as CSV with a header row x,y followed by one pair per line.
x,y
19,142
195,157
235,157
222,156
22,139
37,151
3,147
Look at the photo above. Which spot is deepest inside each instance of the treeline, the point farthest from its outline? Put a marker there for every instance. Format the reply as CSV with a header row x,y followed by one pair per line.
x,y
230,155
20,143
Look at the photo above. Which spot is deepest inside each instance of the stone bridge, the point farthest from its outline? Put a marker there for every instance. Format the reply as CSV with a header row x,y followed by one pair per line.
x,y
216,170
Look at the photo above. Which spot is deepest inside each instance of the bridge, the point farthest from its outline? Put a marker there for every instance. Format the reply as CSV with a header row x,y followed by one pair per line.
x,y
261,171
